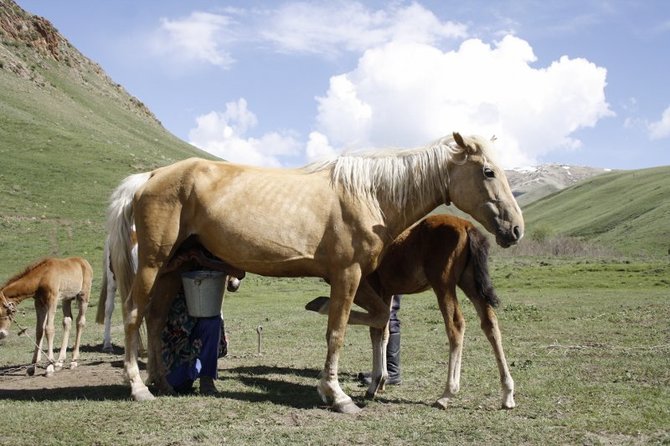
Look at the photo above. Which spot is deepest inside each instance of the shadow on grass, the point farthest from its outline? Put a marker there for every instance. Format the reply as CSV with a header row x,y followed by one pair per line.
x,y
268,385
89,393
116,349
261,383
265,384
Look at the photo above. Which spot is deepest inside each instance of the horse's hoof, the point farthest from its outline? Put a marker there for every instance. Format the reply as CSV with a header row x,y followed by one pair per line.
x,y
317,304
143,395
346,407
58,366
50,371
322,394
442,403
73,365
508,405
370,395
30,371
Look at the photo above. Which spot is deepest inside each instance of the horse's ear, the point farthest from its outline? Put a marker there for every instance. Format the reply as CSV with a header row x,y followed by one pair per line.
x,y
494,138
468,147
459,140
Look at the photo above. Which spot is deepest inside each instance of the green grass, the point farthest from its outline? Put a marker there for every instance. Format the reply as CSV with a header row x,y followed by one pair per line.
x,y
591,363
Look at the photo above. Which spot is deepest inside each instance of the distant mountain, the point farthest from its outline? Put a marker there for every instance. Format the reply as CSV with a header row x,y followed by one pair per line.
x,y
625,210
30,45
532,183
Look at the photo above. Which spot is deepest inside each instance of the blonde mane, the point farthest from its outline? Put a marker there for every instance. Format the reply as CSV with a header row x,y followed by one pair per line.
x,y
397,176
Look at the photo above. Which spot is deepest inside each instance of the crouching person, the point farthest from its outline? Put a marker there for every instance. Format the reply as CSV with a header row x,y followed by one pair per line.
x,y
192,346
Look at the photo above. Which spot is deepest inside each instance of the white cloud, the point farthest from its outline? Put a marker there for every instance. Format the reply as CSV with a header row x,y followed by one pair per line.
x,y
406,90
224,134
325,29
407,94
660,129
318,148
200,37
330,28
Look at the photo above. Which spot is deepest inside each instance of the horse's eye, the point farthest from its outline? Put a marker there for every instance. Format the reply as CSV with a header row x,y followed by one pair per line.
x,y
489,173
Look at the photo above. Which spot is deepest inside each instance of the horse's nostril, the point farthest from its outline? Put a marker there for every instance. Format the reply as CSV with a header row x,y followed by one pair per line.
x,y
517,232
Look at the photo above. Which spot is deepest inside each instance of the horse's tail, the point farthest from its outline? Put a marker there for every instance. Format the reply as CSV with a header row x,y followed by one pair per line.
x,y
119,229
100,314
479,255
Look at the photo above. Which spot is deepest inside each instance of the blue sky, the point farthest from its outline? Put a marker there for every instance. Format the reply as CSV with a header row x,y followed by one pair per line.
x,y
285,83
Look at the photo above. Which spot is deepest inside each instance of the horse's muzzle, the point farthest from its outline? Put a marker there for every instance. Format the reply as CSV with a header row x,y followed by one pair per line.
x,y
510,238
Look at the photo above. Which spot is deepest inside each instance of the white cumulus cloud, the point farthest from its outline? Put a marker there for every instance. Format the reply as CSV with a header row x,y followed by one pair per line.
x,y
408,93
660,129
201,37
224,134
319,148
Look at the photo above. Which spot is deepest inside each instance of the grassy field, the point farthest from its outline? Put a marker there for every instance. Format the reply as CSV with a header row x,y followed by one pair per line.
x,y
588,343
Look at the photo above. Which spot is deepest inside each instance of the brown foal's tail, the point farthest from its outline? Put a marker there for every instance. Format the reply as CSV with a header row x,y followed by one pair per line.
x,y
479,255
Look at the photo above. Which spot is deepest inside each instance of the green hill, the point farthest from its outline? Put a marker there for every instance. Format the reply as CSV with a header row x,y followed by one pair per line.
x,y
68,135
626,210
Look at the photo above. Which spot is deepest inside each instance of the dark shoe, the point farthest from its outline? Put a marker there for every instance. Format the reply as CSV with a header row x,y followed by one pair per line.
x,y
186,388
207,387
365,378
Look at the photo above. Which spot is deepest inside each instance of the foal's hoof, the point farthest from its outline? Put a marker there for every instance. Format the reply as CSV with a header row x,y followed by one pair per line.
x,y
73,365
442,403
59,366
317,304
347,406
508,405
50,371
107,349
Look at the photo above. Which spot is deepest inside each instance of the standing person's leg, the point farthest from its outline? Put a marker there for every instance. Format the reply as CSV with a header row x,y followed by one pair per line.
x,y
393,346
208,331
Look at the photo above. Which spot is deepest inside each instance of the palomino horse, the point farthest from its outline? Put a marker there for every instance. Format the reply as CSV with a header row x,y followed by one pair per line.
x,y
49,281
439,252
331,220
